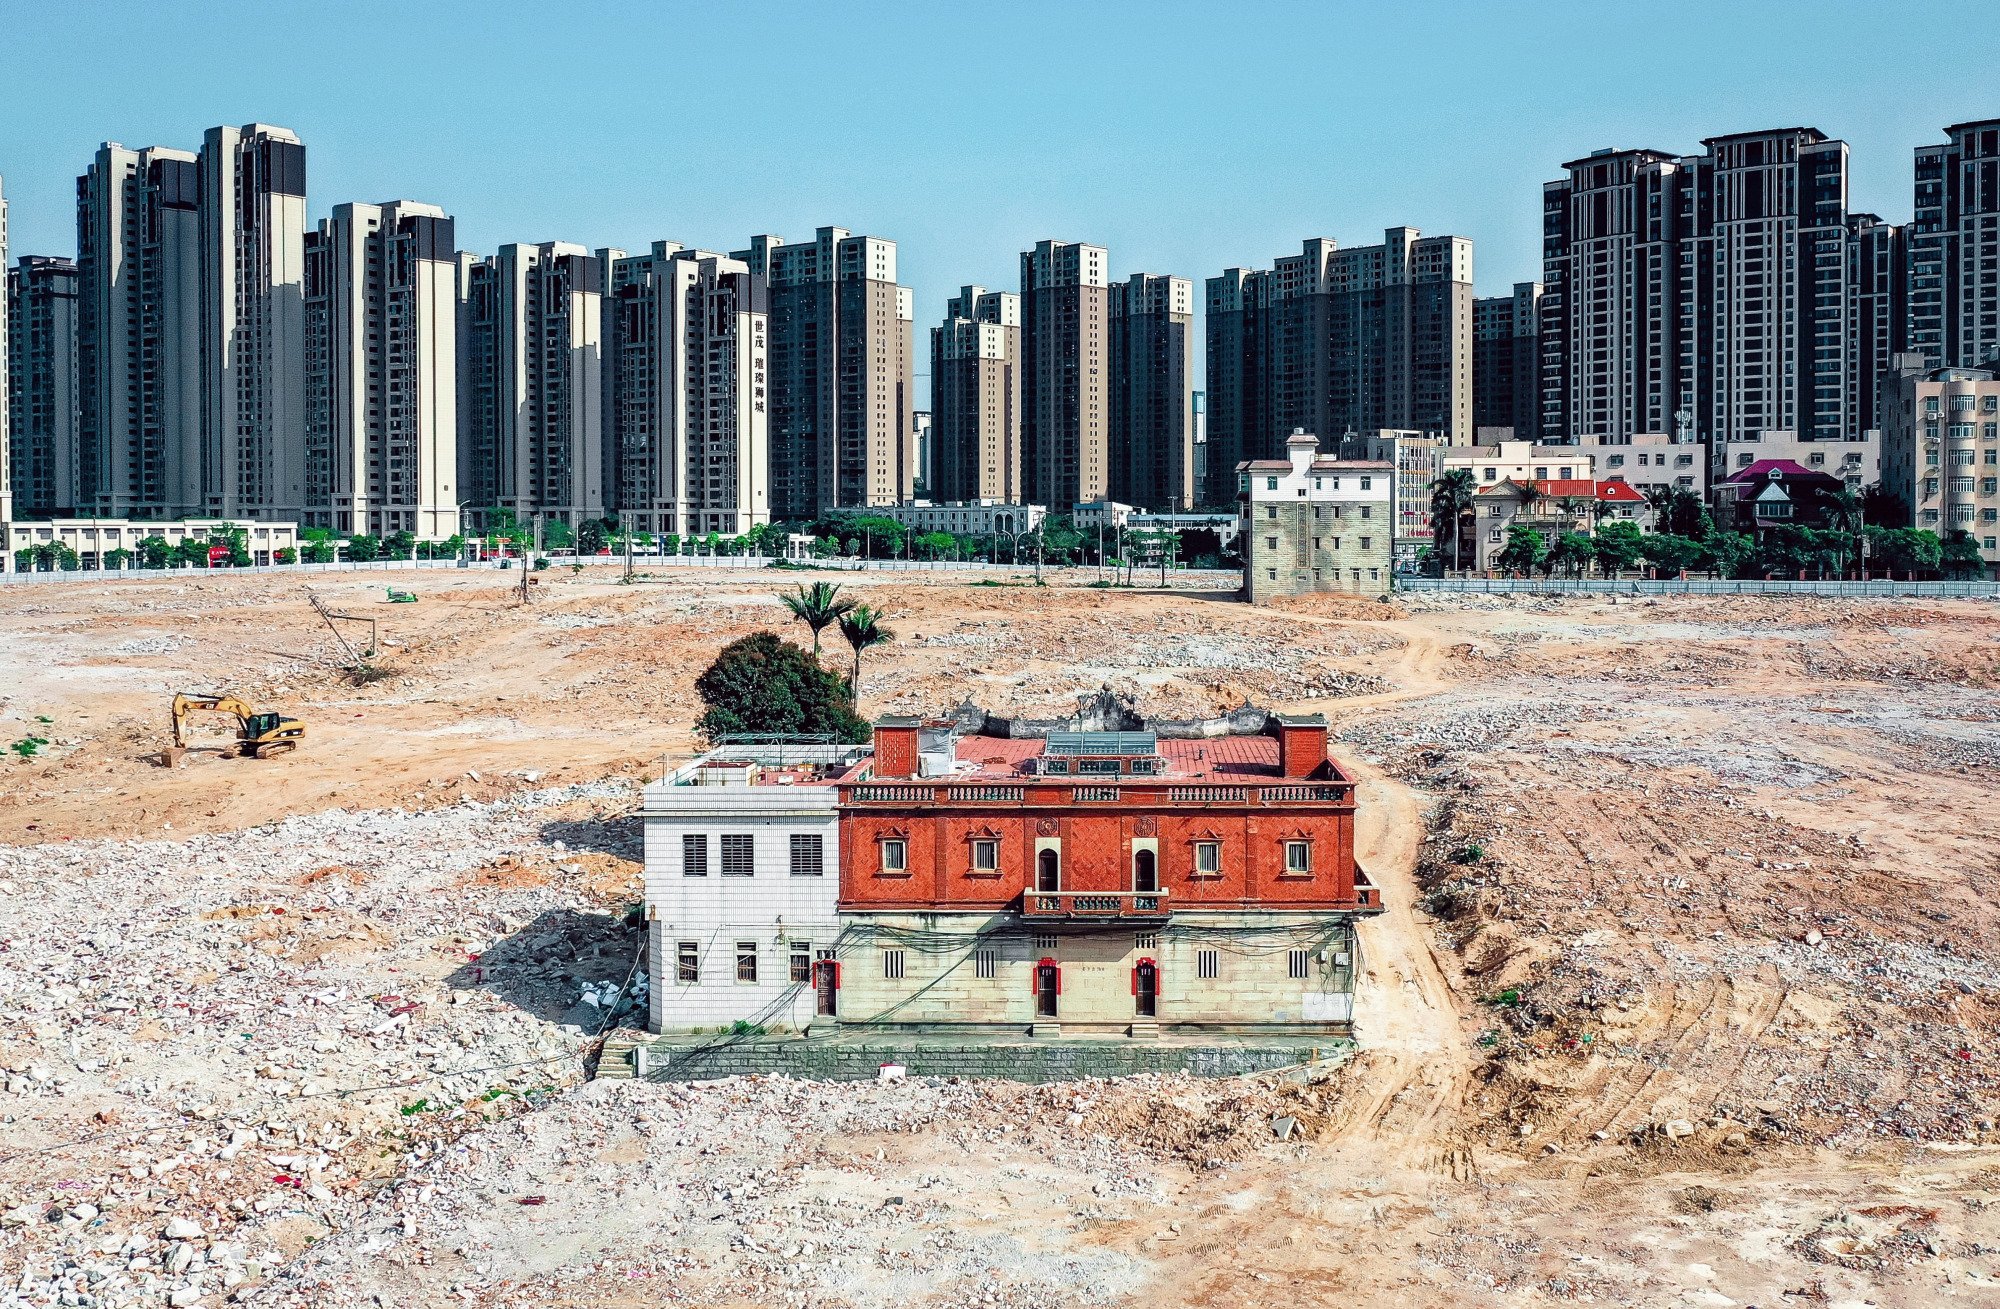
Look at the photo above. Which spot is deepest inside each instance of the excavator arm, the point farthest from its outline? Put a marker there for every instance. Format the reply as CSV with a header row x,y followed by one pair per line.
x,y
186,706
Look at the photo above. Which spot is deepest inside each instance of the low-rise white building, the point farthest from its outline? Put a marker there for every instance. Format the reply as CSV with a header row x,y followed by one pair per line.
x,y
966,517
742,878
1651,461
1858,463
92,539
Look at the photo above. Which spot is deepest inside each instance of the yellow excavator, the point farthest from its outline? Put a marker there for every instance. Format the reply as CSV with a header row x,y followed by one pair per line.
x,y
258,735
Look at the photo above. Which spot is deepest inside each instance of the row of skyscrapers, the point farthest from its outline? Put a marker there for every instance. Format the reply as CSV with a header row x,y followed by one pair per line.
x,y
206,354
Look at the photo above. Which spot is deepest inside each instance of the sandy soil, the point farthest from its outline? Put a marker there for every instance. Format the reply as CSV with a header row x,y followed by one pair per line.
x,y
1686,992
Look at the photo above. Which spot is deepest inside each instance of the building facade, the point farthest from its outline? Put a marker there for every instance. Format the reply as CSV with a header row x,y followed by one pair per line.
x,y
1651,461
1098,881
253,230
1506,389
976,379
1954,249
381,309
140,339
1315,524
94,539
531,439
1334,341
842,379
1714,296
999,518
1066,388
1552,509
1941,451
39,324
1152,392
686,350
742,877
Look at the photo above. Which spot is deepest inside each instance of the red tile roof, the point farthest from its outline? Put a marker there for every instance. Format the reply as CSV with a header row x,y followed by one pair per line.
x,y
1619,491
1763,468
1220,757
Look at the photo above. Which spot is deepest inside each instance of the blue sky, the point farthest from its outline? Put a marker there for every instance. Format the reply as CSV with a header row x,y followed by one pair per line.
x,y
1186,137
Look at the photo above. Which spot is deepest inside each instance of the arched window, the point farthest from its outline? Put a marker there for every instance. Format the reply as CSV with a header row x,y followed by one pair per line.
x,y
1048,871
1145,871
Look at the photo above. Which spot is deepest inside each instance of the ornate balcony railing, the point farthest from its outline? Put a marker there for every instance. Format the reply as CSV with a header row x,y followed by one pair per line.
x,y
901,794
1094,904
1294,794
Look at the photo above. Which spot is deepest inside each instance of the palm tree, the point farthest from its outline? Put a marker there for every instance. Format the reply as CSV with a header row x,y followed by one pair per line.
x,y
1846,513
863,629
1530,492
1660,499
819,607
1451,500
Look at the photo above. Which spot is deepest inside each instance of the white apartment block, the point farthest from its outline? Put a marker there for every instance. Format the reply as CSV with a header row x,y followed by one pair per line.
x,y
531,386
1857,462
95,538
1651,461
381,302
1523,461
686,368
967,517
140,353
742,880
1315,524
1941,451
253,199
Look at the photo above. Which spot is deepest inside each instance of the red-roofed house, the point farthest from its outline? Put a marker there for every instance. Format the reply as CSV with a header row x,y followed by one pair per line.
x,y
1552,507
1774,493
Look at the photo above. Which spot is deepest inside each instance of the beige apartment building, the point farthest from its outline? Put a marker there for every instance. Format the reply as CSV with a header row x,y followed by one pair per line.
x,y
1066,389
976,407
1941,451
1651,461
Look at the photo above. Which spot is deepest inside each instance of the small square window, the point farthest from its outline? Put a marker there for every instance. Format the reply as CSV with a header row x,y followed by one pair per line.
x,y
1207,964
802,966
1207,858
985,856
808,854
892,965
985,962
694,855
1297,964
1298,856
895,856
739,855
687,957
1045,941
1146,941
746,961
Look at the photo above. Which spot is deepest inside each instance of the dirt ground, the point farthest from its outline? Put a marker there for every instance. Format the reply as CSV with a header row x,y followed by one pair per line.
x,y
1686,993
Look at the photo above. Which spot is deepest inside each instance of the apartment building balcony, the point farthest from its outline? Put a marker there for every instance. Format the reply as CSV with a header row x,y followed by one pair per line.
x,y
1095,906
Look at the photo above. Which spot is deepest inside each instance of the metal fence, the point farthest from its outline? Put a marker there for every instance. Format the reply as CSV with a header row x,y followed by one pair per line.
x,y
1695,586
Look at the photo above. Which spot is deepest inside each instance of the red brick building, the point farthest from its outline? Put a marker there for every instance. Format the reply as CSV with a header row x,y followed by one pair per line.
x,y
1103,880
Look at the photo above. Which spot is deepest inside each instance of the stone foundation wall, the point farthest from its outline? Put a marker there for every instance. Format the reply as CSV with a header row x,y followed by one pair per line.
x,y
1028,1061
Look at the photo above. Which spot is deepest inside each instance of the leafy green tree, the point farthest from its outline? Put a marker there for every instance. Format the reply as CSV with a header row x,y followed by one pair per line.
x,y
1570,555
862,626
670,543
285,554
1525,549
236,541
1960,555
154,552
1907,550
117,558
400,545
1061,542
1727,554
318,552
1617,546
1451,504
363,548
818,606
192,552
558,535
1670,553
1882,507
762,683
592,536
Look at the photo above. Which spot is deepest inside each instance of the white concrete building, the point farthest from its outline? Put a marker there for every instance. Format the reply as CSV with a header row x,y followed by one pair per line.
x,y
967,517
1652,460
253,224
742,881
93,538
686,363
1524,461
382,371
1857,462
1941,451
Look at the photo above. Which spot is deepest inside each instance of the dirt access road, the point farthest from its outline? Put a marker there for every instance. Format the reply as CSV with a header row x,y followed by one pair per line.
x,y
1685,993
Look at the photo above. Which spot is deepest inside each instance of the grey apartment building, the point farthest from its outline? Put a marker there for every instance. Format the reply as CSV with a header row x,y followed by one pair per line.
x,y
6,380
1717,296
1152,392
1334,340
1066,392
41,399
686,378
381,447
842,372
1505,358
531,386
976,382
1954,249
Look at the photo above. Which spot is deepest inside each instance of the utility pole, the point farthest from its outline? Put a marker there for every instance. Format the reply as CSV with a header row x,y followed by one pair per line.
x,y
628,554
